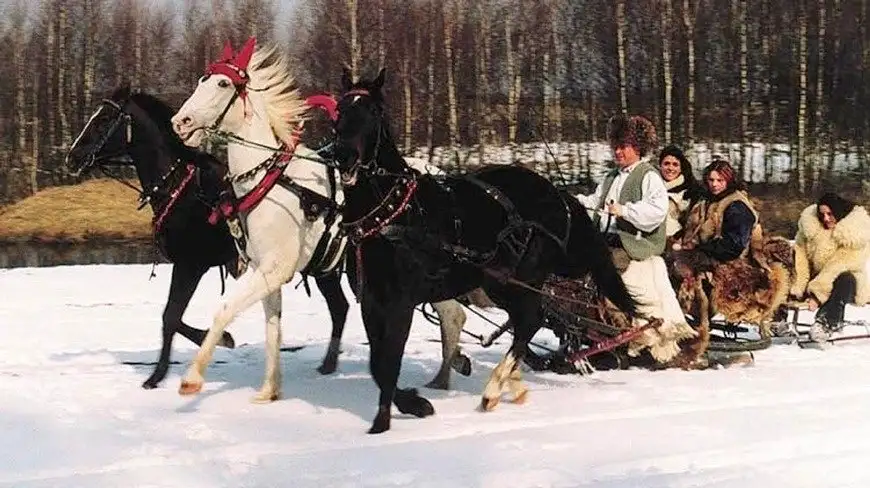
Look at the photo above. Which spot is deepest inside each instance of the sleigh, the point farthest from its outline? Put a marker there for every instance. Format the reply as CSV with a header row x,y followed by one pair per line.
x,y
594,335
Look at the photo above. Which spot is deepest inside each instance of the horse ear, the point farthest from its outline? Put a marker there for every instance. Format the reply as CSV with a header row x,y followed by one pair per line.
x,y
244,55
227,54
379,81
123,91
346,79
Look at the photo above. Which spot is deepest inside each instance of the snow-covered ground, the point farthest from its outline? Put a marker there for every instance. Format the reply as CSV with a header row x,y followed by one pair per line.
x,y
72,413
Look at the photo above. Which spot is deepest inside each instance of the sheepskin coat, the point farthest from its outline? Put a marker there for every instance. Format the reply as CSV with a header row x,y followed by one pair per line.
x,y
822,254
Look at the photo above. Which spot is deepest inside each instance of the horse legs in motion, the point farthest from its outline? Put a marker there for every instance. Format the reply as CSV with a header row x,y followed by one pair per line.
x,y
263,284
524,308
185,279
330,287
452,319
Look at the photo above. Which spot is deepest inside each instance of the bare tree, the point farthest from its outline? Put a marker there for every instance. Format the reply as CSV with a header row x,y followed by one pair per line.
x,y
799,155
621,27
666,17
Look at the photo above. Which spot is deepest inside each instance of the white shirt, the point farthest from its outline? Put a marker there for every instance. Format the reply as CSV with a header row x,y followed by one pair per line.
x,y
646,214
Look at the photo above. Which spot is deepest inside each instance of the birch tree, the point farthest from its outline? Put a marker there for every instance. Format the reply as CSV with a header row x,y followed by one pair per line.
x,y
621,26
800,154
666,17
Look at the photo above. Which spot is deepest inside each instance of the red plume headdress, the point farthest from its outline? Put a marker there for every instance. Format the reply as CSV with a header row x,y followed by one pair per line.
x,y
234,65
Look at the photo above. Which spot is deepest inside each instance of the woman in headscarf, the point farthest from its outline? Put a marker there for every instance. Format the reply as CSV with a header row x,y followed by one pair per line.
x,y
832,247
683,189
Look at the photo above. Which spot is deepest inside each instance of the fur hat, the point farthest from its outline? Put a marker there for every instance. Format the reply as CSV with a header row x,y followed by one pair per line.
x,y
839,206
636,131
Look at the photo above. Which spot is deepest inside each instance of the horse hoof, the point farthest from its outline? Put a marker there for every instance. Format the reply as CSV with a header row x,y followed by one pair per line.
x,y
409,401
381,423
227,341
189,388
488,404
265,397
329,366
461,364
150,384
438,384
521,397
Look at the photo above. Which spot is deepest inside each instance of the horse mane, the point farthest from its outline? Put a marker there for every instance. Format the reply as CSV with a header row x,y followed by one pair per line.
x,y
270,77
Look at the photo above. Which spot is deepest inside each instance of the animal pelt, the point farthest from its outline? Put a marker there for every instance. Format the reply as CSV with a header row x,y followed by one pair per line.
x,y
822,254
744,292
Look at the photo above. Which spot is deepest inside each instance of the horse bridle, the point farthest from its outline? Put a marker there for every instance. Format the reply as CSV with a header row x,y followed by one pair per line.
x,y
94,158
360,163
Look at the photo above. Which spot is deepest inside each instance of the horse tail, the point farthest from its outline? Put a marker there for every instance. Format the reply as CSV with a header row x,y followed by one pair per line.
x,y
587,253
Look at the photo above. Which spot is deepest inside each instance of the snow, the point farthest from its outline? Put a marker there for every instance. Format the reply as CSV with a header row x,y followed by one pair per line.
x,y
73,415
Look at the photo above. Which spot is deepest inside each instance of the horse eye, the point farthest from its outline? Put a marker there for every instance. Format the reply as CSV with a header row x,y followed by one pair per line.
x,y
223,83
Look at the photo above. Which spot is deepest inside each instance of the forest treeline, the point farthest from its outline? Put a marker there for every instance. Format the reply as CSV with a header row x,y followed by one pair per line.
x,y
466,73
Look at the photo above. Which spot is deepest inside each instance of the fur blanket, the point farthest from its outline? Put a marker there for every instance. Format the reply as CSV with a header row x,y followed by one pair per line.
x,y
742,290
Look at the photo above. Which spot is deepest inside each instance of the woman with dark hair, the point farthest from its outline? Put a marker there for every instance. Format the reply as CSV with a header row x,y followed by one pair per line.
x,y
832,247
683,189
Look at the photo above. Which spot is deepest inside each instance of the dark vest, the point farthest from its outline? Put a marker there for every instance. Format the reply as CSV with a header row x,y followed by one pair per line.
x,y
638,244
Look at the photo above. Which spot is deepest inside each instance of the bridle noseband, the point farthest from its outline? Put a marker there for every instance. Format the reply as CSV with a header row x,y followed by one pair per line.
x,y
94,158
360,163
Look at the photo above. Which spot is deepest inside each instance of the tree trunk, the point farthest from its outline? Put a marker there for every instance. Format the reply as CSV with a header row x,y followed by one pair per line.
x,y
382,44
430,87
745,98
514,79
89,57
50,71
355,47
138,34
799,162
33,172
667,76
689,24
559,70
620,54
818,127
450,16
408,106
62,56
481,46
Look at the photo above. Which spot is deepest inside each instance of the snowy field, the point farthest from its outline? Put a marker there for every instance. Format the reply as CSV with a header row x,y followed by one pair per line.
x,y
73,414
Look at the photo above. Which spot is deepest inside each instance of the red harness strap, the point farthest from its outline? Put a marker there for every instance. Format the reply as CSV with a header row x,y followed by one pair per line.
x,y
229,208
158,221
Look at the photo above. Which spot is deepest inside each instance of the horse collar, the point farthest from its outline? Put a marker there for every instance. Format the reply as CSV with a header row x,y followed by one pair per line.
x,y
391,207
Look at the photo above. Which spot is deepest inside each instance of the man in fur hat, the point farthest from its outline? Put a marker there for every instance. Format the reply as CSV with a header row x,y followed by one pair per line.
x,y
630,206
832,246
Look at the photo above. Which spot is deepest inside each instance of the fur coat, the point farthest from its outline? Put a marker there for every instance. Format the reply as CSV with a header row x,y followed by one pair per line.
x,y
821,254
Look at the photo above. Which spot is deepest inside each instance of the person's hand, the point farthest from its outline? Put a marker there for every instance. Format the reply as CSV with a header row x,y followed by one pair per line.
x,y
812,303
677,246
688,246
615,209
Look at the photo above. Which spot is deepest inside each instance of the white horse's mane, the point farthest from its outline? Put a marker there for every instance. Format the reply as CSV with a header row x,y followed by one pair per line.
x,y
270,77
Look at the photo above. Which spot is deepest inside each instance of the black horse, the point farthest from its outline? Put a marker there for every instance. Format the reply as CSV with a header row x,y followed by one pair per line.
x,y
182,186
417,238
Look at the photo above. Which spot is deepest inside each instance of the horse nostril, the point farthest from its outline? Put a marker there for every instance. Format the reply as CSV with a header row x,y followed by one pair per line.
x,y
186,121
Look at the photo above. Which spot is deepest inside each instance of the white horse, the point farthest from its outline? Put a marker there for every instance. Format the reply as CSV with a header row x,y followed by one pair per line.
x,y
251,95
